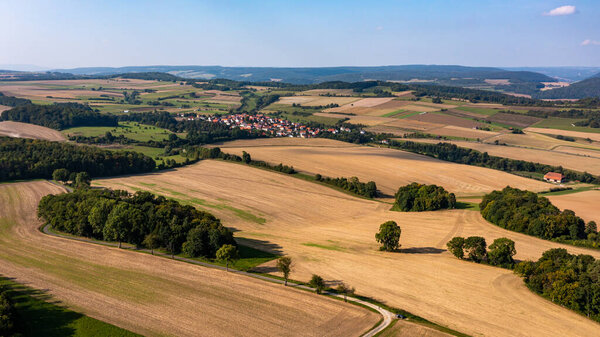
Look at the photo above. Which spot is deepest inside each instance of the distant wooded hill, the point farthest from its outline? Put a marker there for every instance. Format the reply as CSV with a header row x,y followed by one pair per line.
x,y
577,90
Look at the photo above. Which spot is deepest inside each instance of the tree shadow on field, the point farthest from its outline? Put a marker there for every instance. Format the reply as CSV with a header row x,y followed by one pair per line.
x,y
38,314
421,250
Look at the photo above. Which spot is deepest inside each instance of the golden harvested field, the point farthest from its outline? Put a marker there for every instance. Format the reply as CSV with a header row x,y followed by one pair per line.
x,y
408,329
35,92
316,92
410,124
4,108
529,139
445,120
555,158
157,296
457,131
332,234
365,120
420,108
580,151
590,135
26,130
316,100
584,204
389,168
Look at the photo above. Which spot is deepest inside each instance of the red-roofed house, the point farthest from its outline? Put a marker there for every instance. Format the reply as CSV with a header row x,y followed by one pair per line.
x,y
554,177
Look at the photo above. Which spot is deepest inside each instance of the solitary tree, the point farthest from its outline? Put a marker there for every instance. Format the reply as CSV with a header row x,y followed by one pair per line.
x,y
284,264
475,247
227,253
82,180
501,252
455,246
345,290
389,236
318,283
151,241
61,174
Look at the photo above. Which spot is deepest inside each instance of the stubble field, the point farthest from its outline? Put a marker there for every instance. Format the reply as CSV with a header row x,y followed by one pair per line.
x,y
26,130
584,204
156,296
389,168
332,234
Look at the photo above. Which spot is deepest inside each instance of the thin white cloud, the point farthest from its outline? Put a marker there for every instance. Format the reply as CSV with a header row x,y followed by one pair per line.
x,y
562,10
589,42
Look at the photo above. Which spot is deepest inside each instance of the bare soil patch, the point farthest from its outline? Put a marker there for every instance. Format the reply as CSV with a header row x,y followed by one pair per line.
x,y
157,296
521,121
26,130
471,298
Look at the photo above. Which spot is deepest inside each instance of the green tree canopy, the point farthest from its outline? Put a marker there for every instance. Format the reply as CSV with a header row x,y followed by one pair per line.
x,y
389,236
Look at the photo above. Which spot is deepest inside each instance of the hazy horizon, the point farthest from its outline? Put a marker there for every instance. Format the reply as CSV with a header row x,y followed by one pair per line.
x,y
71,34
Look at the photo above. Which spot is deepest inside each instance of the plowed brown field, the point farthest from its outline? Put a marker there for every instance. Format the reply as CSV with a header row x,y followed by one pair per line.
x,y
156,296
26,130
332,234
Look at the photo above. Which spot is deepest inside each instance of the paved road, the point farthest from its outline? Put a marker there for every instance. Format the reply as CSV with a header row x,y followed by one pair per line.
x,y
387,315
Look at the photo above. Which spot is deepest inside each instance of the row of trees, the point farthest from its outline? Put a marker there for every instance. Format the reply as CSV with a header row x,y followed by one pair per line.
x,y
141,219
353,185
416,197
12,101
473,248
569,280
30,159
59,115
526,212
456,154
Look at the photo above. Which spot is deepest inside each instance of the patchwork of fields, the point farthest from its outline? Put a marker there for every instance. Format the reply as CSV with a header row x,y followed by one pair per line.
x,y
332,234
152,295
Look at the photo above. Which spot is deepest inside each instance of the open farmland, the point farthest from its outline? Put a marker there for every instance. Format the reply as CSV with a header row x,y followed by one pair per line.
x,y
576,134
26,130
584,204
557,157
156,296
133,130
331,233
389,168
316,100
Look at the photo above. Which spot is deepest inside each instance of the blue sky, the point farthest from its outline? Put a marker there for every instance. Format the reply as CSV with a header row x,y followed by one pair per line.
x,y
62,33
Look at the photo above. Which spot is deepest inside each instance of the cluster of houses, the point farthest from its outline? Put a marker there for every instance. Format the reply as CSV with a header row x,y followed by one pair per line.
x,y
269,125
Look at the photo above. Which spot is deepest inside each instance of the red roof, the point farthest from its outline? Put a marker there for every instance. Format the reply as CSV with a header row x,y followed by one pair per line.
x,y
554,176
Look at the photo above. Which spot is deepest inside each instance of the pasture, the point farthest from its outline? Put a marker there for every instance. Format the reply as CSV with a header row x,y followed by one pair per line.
x,y
332,234
389,168
151,295
132,130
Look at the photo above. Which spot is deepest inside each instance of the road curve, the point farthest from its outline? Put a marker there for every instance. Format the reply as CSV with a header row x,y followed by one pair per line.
x,y
386,315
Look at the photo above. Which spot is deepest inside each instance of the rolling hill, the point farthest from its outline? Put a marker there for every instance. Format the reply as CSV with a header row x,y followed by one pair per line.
x,y
582,89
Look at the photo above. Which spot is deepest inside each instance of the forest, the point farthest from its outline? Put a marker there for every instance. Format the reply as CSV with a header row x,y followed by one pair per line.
x,y
526,212
572,281
59,116
31,159
456,154
417,197
142,219
12,101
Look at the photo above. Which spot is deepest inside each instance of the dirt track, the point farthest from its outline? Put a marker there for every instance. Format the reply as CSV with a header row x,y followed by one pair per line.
x,y
156,296
332,234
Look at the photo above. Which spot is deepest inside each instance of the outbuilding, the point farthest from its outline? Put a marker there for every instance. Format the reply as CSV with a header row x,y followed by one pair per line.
x,y
554,177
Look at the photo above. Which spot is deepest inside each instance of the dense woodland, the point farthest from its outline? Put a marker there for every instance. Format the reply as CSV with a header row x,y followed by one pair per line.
x,y
526,212
418,198
8,315
31,159
12,101
59,115
141,219
456,154
572,281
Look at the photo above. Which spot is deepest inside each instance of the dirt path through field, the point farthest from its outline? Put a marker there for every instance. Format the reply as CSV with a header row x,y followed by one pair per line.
x,y
332,234
156,296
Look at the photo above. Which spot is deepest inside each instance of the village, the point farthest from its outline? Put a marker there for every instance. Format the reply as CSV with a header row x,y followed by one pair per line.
x,y
269,125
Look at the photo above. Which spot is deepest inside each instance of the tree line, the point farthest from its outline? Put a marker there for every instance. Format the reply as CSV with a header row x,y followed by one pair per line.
x,y
526,212
142,219
31,159
474,248
417,197
59,115
461,155
353,185
12,101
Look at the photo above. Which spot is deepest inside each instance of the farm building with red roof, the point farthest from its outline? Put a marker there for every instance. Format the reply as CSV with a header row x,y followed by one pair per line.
x,y
554,177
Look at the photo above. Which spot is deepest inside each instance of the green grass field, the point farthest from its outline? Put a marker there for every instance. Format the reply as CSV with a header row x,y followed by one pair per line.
x,y
481,111
132,130
564,124
37,316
